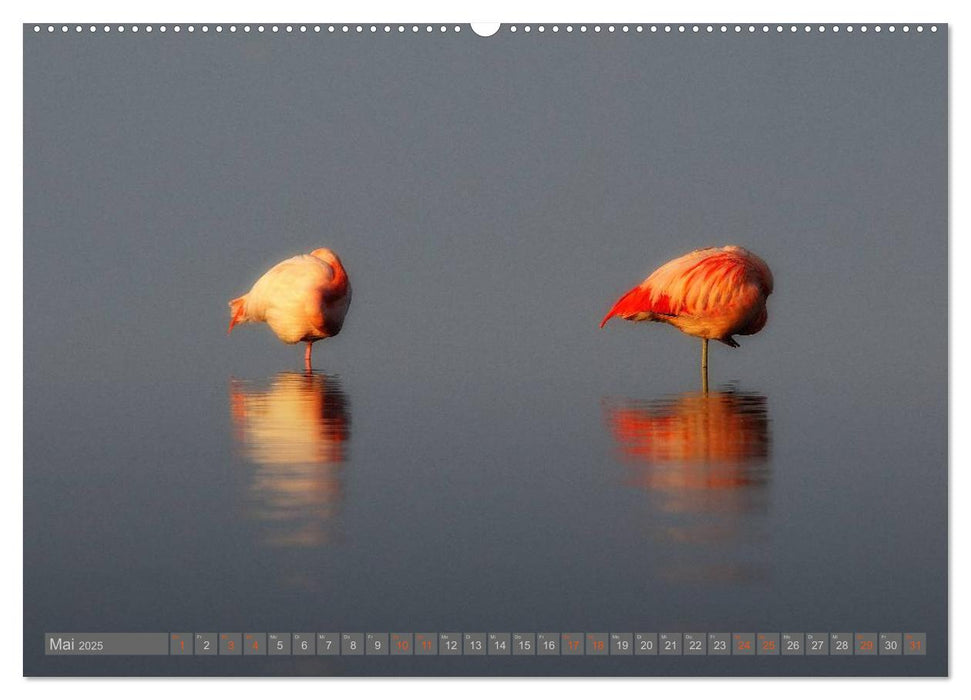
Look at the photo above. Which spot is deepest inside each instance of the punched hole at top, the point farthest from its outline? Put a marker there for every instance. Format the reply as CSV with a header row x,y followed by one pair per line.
x,y
485,28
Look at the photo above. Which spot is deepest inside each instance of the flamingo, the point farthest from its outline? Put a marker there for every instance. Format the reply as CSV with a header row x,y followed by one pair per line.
x,y
303,298
711,293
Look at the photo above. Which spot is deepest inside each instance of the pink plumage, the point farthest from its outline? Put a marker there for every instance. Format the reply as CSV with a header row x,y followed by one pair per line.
x,y
303,299
712,293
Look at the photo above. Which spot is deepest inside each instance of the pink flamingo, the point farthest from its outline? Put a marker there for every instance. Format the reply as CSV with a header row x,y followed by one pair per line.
x,y
304,298
712,293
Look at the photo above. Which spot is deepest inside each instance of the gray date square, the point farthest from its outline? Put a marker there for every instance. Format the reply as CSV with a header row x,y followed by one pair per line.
x,y
596,644
866,644
793,644
891,644
719,644
817,644
474,643
402,644
841,644
278,644
376,644
669,643
695,644
180,644
743,644
915,644
645,643
254,644
523,644
303,644
767,644
352,644
426,644
230,644
450,644
499,644
328,644
548,644
206,644
571,644
621,643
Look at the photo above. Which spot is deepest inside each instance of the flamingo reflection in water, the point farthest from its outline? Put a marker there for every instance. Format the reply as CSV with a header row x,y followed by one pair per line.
x,y
705,456
295,433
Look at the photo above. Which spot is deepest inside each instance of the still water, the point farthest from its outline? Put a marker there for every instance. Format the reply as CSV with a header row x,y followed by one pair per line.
x,y
323,501
294,435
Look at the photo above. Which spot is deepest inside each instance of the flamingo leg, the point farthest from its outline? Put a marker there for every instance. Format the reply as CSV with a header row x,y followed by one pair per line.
x,y
306,357
704,365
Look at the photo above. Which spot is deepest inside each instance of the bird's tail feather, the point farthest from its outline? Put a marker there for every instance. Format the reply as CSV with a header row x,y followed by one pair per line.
x,y
634,301
237,307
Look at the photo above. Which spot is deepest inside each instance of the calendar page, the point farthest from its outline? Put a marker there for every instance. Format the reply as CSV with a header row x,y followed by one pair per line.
x,y
537,349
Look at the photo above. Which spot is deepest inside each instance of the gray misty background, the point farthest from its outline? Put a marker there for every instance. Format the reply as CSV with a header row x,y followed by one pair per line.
x,y
490,198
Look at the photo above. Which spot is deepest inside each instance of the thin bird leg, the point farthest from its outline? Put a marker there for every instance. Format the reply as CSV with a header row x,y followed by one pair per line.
x,y
704,365
306,357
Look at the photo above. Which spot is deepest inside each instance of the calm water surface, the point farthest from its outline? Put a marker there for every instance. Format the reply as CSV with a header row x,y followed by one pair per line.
x,y
326,501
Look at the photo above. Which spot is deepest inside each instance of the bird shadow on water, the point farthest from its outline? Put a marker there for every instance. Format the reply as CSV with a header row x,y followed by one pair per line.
x,y
703,460
291,433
